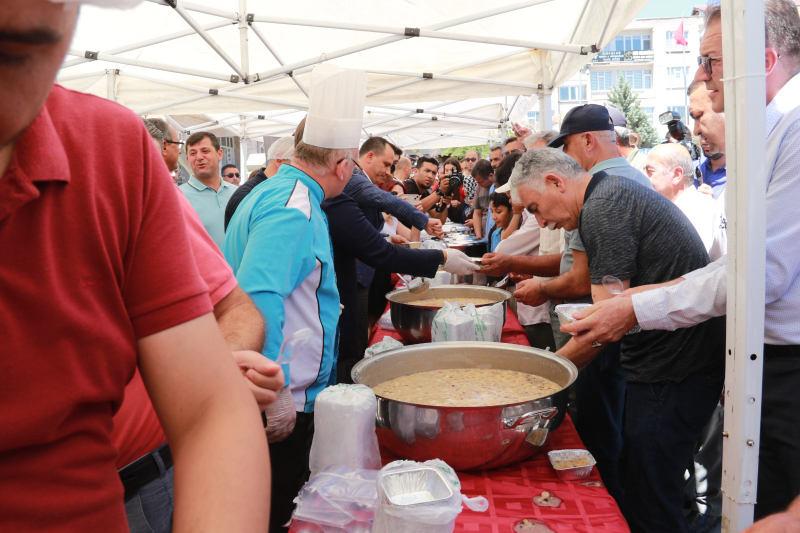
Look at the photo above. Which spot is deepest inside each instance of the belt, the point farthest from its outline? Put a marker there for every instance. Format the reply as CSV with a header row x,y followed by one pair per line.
x,y
774,351
144,470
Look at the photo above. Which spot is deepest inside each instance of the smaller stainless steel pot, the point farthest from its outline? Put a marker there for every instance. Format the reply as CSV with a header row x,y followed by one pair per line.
x,y
413,323
451,227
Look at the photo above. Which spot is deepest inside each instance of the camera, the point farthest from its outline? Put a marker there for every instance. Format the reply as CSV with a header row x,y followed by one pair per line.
x,y
679,132
456,180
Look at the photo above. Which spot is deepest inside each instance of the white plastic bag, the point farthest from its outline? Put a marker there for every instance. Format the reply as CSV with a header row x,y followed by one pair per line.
x,y
387,343
488,321
344,434
385,321
410,498
451,323
338,497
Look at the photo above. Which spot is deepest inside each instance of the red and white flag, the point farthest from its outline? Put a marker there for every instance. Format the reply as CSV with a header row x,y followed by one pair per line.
x,y
678,36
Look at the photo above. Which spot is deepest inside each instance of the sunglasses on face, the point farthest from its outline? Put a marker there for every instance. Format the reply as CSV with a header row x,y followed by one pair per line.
x,y
705,62
471,159
232,175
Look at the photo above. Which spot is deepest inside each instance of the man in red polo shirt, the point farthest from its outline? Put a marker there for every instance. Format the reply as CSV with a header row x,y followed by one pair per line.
x,y
88,291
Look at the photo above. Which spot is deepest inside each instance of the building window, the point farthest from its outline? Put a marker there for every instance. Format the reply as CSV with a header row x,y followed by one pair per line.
x,y
672,46
533,116
572,93
603,80
678,77
681,110
624,43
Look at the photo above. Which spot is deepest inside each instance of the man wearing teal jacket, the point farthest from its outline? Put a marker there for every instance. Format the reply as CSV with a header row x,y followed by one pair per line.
x,y
279,247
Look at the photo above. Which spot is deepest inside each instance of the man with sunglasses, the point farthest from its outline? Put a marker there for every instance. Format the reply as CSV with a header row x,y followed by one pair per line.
x,y
701,294
231,174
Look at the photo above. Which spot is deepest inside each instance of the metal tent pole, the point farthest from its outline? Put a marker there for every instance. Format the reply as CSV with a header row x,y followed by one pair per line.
x,y
111,85
431,75
155,66
544,95
190,6
743,37
244,48
277,57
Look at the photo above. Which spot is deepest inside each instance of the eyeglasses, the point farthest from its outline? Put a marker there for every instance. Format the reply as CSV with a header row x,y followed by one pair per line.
x,y
232,175
705,62
471,159
179,143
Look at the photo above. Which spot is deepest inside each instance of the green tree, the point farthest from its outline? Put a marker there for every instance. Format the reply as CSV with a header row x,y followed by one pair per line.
x,y
461,151
623,98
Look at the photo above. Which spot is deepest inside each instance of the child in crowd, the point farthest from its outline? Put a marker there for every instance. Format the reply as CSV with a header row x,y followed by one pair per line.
x,y
501,214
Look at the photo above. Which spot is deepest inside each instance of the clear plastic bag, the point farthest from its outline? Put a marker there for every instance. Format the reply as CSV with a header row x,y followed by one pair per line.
x,y
386,344
488,322
338,499
385,321
451,323
417,498
344,434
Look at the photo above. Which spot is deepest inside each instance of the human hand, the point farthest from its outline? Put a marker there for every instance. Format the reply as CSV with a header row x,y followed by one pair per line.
x,y
516,278
706,189
517,208
496,265
468,222
606,321
419,207
454,203
398,239
521,131
434,227
457,262
264,378
529,292
281,416
444,185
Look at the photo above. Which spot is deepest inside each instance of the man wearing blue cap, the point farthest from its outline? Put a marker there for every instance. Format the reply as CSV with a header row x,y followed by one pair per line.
x,y
587,135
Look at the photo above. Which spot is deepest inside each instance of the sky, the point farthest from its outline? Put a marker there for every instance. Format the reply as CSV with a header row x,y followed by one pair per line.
x,y
669,8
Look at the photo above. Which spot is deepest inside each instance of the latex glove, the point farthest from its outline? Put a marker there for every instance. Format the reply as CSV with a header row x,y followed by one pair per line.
x,y
264,378
434,227
457,262
281,416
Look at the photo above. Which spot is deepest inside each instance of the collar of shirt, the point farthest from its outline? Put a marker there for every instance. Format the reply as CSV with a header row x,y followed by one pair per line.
x,y
199,185
608,163
786,100
713,177
313,187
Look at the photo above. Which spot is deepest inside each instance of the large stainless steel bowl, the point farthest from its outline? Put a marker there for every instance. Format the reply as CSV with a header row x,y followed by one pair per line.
x,y
413,323
467,438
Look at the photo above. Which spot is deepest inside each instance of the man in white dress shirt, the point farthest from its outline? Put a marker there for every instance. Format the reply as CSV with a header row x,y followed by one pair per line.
x,y
701,294
669,167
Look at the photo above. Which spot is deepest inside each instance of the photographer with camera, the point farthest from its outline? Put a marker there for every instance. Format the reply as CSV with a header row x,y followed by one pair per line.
x,y
709,127
452,187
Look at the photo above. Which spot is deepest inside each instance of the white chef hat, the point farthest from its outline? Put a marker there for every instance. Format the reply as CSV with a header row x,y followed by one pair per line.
x,y
336,107
118,4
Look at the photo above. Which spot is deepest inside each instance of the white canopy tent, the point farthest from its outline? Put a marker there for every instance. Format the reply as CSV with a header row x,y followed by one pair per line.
x,y
252,58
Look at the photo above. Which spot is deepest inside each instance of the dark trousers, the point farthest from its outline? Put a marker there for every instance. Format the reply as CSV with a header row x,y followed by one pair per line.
x,y
598,413
540,336
779,452
363,319
289,460
662,423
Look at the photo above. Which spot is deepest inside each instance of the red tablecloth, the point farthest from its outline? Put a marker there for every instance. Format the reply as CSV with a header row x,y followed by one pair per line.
x,y
586,505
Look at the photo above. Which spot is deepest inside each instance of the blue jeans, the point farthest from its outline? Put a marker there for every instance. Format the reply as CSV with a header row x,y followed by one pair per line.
x,y
598,413
150,509
662,423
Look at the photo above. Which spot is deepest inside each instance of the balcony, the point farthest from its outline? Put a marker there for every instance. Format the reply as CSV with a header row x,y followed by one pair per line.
x,y
629,56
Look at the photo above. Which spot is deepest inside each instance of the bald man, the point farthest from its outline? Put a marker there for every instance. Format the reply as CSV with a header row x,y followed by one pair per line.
x,y
669,168
402,171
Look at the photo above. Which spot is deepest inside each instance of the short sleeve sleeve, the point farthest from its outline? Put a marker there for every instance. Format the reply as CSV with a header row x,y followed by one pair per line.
x,y
162,287
609,238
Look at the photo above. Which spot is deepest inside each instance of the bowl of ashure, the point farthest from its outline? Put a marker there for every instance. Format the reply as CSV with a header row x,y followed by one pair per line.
x,y
412,313
474,405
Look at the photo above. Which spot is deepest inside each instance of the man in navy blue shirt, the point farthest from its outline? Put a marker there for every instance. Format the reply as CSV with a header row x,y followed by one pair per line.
x,y
713,167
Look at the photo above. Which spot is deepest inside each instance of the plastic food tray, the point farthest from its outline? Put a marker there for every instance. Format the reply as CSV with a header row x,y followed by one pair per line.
x,y
564,312
571,474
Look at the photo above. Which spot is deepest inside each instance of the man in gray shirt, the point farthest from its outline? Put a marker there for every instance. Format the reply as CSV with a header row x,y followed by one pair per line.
x,y
674,379
587,135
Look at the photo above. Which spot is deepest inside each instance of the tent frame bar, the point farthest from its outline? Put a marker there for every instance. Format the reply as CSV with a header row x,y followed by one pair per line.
x,y
147,42
277,56
191,6
394,38
406,114
429,111
431,75
155,66
572,37
421,32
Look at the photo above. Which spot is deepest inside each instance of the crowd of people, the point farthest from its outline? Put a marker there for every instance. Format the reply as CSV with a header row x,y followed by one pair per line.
x,y
143,320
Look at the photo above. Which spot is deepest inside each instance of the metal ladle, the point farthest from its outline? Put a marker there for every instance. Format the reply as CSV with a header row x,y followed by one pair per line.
x,y
415,285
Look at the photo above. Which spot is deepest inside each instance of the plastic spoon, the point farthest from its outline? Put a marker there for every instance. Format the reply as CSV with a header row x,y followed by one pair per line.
x,y
613,285
293,345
